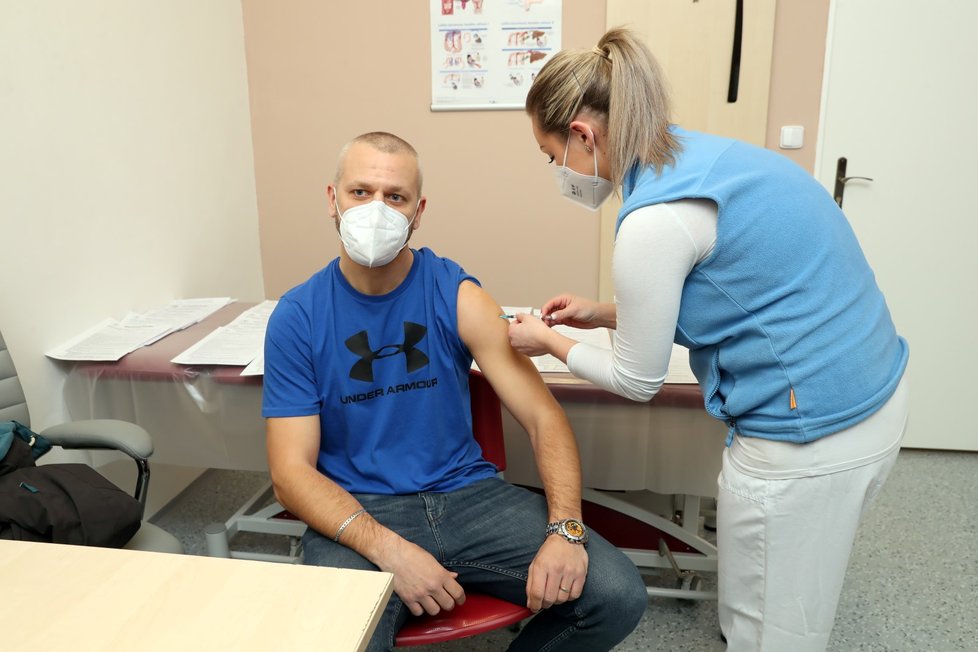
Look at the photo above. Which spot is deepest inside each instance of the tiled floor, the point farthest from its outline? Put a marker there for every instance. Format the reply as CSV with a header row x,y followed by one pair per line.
x,y
912,583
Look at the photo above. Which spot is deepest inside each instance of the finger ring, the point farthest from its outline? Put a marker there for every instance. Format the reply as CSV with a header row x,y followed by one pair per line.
x,y
565,590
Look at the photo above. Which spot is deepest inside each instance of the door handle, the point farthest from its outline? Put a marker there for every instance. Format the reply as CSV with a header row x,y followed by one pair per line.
x,y
841,180
734,84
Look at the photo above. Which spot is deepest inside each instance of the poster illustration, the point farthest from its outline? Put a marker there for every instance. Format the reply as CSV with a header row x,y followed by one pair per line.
x,y
486,53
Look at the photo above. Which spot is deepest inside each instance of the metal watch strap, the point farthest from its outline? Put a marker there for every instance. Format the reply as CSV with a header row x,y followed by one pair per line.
x,y
561,527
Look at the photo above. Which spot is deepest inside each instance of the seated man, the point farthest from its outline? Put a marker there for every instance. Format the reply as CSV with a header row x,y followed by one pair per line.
x,y
369,429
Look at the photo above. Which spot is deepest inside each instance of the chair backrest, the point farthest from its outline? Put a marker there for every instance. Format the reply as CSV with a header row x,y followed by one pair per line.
x,y
13,406
487,420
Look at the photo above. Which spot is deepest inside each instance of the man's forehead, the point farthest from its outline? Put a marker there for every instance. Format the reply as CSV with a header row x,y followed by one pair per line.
x,y
364,162
367,153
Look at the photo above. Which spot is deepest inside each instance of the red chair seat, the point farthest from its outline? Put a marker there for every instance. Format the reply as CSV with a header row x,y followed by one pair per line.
x,y
480,613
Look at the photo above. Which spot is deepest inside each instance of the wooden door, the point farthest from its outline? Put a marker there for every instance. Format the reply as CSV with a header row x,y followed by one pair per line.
x,y
694,43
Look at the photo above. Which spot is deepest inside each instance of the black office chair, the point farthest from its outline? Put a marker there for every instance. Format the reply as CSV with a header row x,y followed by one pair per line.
x,y
99,434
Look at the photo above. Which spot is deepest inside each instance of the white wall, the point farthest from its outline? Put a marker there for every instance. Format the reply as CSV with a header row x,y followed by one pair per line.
x,y
126,169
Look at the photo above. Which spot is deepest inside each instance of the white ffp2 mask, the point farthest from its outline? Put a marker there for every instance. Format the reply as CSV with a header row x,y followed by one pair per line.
x,y
586,190
373,234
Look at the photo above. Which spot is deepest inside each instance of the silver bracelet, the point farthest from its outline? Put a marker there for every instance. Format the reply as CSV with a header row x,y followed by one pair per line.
x,y
352,518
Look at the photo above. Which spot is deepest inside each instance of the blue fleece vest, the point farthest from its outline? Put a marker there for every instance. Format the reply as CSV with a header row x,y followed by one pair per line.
x,y
789,335
388,376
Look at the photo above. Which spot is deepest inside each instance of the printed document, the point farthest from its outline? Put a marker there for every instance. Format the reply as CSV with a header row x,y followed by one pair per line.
x,y
600,337
181,313
236,344
256,367
108,340
111,339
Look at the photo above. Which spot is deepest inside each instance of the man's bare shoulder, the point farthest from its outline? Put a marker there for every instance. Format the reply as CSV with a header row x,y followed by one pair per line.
x,y
478,314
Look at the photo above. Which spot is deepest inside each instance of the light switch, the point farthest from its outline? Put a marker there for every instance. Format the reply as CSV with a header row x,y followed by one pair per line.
x,y
792,137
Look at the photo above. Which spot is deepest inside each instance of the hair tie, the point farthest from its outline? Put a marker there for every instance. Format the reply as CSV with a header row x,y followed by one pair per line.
x,y
601,53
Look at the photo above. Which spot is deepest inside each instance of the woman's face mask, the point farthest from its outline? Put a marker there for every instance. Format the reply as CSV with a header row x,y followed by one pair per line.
x,y
586,190
373,234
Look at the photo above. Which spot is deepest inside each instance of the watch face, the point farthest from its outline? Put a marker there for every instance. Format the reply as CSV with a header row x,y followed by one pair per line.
x,y
574,528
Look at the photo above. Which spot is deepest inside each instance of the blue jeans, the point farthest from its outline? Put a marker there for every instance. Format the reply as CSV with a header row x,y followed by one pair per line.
x,y
488,533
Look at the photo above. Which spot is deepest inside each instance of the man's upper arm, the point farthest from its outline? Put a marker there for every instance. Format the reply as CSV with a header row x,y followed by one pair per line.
x,y
511,374
292,441
289,386
289,397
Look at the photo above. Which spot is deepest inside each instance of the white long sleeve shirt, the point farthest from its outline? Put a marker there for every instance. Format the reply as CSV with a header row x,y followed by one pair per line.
x,y
656,248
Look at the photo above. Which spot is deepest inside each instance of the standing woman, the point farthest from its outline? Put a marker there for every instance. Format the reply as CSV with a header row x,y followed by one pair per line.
x,y
740,255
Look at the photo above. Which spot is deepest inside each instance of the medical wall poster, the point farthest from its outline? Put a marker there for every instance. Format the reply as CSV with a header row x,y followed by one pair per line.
x,y
486,53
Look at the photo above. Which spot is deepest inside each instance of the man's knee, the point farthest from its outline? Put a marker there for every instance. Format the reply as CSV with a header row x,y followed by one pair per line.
x,y
617,589
633,602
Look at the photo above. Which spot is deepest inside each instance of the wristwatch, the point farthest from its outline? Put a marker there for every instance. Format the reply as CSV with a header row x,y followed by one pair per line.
x,y
569,528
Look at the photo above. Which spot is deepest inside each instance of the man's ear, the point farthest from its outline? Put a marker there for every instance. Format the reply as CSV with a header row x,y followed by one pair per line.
x,y
331,200
417,218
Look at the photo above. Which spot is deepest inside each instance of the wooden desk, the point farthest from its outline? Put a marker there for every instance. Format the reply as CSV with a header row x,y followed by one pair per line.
x,y
211,417
63,597
668,445
205,417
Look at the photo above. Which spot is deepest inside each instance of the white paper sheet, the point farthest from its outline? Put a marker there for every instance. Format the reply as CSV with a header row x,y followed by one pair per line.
x,y
108,340
600,337
181,313
236,344
111,339
256,367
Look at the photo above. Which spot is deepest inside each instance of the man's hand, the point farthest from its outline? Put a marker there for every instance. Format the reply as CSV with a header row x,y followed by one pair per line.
x,y
557,574
420,581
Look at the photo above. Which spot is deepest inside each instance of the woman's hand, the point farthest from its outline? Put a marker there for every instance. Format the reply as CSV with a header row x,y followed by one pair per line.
x,y
530,336
574,311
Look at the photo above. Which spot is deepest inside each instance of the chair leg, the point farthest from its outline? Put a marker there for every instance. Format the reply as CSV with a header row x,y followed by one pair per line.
x,y
216,535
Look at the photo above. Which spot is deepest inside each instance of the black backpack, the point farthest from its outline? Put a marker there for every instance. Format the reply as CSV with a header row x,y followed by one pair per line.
x,y
59,503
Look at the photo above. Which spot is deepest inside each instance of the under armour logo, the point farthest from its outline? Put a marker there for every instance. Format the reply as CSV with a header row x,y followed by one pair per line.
x,y
414,358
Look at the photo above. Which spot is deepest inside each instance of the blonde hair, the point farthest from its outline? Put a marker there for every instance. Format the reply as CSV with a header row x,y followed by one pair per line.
x,y
382,141
620,83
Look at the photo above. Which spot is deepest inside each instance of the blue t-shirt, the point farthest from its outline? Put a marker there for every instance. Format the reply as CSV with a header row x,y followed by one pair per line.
x,y
387,375
789,335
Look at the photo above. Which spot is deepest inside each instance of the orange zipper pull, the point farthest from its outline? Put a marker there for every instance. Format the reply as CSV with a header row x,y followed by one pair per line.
x,y
794,405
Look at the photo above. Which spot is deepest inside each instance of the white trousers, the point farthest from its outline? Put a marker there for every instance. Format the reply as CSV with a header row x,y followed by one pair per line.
x,y
784,542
